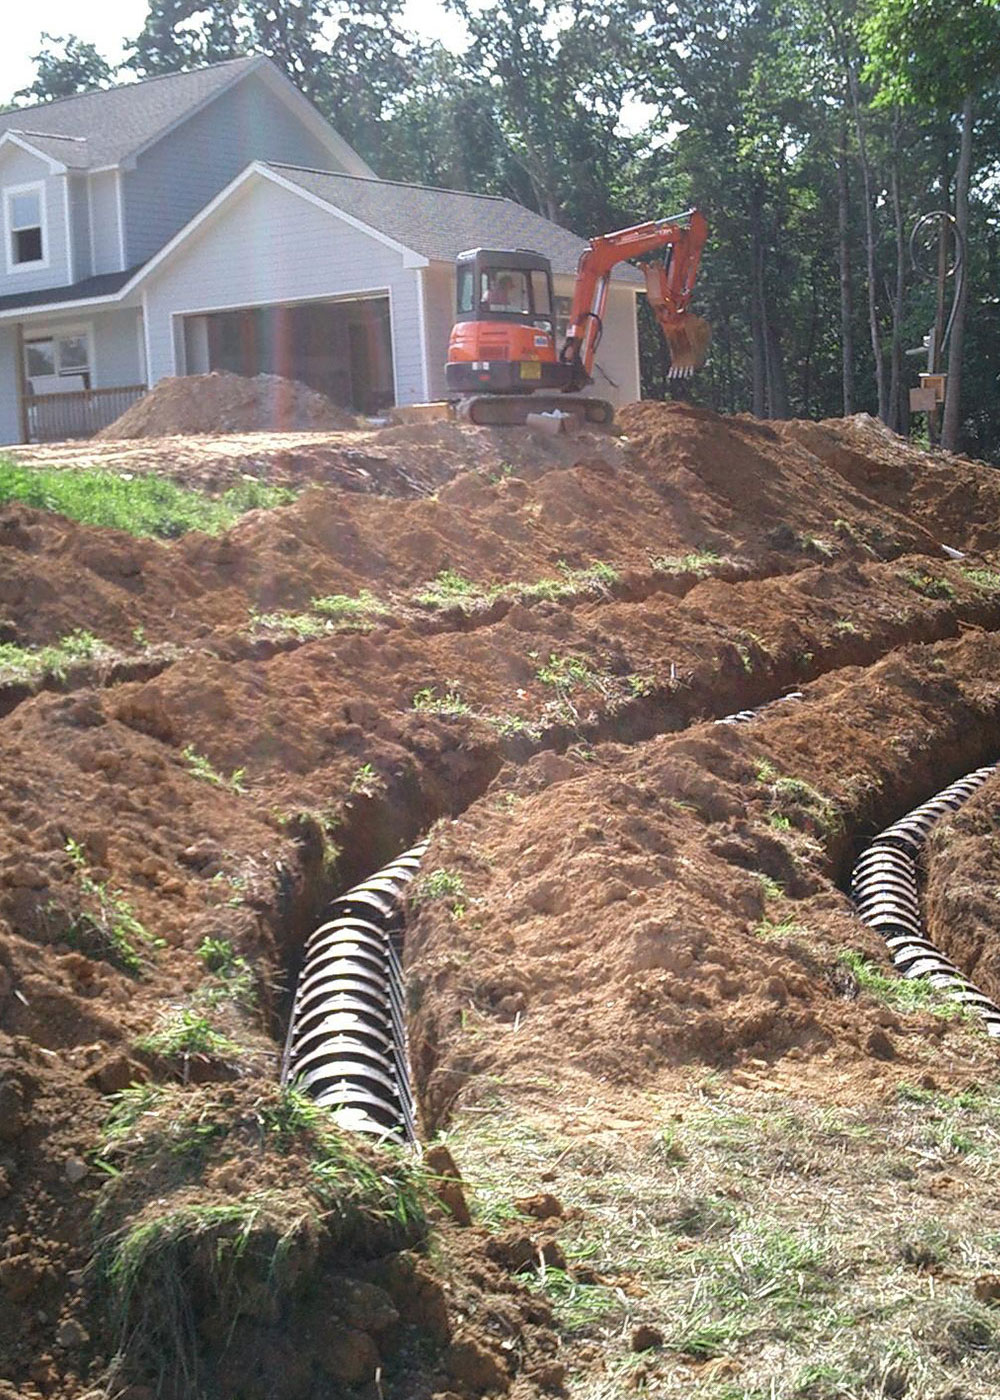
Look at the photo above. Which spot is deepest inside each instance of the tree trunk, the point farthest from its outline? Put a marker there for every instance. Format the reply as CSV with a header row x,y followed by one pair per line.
x,y
846,289
896,387
866,176
758,316
953,406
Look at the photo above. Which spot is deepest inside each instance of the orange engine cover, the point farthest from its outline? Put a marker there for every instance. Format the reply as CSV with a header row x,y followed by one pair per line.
x,y
500,340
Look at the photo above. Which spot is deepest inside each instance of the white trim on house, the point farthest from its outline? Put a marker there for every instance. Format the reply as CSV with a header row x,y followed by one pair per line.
x,y
394,344
147,358
638,357
37,264
12,138
121,218
425,381
140,336
366,294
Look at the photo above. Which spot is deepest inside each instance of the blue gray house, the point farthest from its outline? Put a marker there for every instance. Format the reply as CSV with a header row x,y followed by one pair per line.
x,y
214,220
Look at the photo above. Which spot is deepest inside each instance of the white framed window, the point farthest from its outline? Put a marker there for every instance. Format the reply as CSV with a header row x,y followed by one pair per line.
x,y
24,231
59,361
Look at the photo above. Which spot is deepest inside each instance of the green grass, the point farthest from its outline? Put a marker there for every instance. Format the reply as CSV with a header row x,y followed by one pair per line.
x,y
143,505
305,627
106,925
986,579
350,612
451,704
702,563
906,994
179,1257
199,767
450,589
440,884
929,585
233,979
185,1032
32,663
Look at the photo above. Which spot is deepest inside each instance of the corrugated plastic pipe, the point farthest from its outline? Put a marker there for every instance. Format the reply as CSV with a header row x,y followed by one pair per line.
x,y
885,887
346,1045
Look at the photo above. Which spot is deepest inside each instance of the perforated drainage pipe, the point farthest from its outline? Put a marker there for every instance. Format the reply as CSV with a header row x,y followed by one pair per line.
x,y
346,1045
884,884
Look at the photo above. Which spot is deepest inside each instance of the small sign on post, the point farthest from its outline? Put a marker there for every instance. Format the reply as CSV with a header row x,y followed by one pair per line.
x,y
935,384
922,400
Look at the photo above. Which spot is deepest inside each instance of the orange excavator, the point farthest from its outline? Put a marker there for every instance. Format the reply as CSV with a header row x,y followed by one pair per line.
x,y
503,364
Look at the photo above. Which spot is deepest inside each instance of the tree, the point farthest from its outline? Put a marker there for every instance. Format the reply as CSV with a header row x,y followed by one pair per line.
x,y
941,53
64,67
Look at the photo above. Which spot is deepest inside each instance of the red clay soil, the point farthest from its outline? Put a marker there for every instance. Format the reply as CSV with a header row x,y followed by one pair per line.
x,y
227,403
606,918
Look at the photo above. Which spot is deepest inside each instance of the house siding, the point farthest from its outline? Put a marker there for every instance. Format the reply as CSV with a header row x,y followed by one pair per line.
x,y
187,168
19,167
616,376
10,427
267,245
79,222
106,253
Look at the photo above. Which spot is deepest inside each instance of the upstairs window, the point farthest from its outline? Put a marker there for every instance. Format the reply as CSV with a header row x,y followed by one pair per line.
x,y
25,210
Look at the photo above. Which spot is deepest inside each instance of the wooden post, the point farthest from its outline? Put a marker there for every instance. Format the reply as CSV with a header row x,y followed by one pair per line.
x,y
934,365
22,383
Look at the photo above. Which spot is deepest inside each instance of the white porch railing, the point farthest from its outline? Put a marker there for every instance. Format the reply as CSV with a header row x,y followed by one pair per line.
x,y
78,414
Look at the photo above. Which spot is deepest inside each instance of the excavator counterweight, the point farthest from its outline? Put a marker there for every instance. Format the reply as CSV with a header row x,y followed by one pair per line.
x,y
503,362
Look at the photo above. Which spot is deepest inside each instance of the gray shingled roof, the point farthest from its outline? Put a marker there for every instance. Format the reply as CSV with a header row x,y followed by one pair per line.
x,y
105,284
440,224
112,123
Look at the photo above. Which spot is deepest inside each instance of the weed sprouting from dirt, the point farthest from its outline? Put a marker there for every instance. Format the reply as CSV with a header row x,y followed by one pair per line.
x,y
986,579
906,994
33,663
928,585
106,924
348,612
303,626
234,977
440,884
184,1032
700,563
450,589
427,701
140,505
367,782
200,767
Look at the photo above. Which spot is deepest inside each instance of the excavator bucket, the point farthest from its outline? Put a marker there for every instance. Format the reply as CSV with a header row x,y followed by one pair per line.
x,y
688,337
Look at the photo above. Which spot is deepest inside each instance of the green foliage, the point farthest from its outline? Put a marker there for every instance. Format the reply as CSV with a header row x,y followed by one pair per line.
x,y
702,563
140,505
906,994
450,590
32,663
185,1032
77,68
303,626
986,579
440,884
200,767
106,925
929,585
350,612
932,50
367,781
449,705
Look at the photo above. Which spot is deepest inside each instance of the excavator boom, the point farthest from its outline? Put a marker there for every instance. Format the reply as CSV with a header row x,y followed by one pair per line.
x,y
669,286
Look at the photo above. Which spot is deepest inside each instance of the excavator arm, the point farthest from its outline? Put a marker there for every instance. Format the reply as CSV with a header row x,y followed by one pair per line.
x,y
669,285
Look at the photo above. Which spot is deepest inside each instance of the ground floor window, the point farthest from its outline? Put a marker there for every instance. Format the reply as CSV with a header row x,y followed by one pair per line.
x,y
58,363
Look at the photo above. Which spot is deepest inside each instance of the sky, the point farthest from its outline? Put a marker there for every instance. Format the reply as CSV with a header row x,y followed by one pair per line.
x,y
105,23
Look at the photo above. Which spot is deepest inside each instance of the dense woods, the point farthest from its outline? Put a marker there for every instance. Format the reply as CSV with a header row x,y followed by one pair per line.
x,y
813,133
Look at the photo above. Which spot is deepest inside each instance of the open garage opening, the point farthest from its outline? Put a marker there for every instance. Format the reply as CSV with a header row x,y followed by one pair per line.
x,y
342,349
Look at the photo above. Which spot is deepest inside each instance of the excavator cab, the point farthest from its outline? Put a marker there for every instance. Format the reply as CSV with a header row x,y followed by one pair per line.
x,y
503,340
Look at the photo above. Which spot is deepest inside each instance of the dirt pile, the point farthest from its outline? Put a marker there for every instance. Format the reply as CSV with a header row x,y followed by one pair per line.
x,y
619,893
227,403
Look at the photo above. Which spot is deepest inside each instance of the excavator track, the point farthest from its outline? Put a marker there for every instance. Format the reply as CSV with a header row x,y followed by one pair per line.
x,y
513,410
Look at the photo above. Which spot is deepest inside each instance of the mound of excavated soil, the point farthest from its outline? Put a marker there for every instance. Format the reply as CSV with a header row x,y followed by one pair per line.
x,y
227,403
627,893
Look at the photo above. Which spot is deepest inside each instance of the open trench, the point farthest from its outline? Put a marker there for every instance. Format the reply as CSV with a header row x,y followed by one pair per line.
x,y
347,1042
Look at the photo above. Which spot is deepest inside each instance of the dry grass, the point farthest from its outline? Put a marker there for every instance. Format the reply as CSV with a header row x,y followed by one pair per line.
x,y
784,1251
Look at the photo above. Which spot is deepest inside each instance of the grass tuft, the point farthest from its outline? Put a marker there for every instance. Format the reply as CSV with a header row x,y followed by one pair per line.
x,y
139,505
